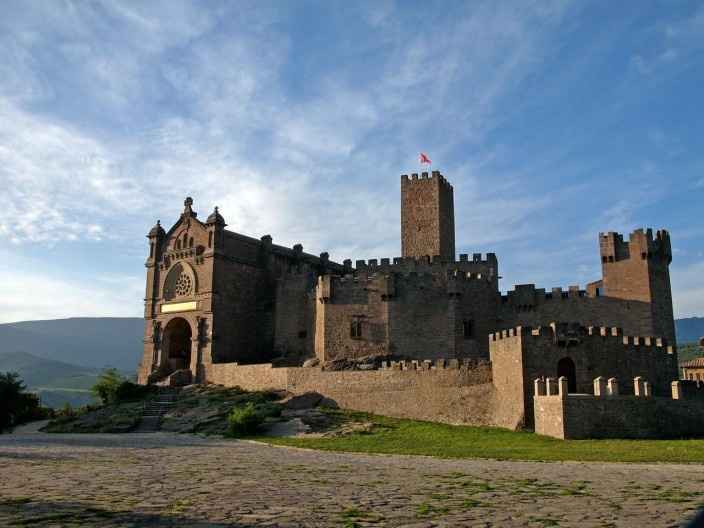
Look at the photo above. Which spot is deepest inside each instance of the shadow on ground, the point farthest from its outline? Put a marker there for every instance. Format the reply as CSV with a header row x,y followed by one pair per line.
x,y
103,441
28,512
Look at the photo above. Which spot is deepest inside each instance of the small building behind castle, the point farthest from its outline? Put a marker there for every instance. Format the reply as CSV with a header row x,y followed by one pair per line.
x,y
425,335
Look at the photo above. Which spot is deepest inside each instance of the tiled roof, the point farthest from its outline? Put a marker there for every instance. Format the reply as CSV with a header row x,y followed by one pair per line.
x,y
693,363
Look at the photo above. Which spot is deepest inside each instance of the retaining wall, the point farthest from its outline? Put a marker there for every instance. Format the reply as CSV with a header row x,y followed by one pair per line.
x,y
463,395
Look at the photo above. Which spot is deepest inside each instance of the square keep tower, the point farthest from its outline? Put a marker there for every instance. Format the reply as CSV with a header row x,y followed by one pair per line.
x,y
427,216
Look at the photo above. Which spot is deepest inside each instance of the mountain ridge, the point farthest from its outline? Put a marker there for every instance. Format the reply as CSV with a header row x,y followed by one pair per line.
x,y
95,342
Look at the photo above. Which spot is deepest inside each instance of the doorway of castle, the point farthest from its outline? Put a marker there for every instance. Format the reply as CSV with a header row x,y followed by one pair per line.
x,y
177,344
566,368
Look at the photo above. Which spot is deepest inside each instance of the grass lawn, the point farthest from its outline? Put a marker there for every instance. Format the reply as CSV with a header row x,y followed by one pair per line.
x,y
410,437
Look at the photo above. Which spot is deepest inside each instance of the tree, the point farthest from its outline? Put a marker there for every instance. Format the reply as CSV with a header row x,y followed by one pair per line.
x,y
16,406
107,385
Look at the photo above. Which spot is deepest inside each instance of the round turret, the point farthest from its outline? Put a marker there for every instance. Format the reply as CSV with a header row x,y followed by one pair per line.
x,y
215,218
157,231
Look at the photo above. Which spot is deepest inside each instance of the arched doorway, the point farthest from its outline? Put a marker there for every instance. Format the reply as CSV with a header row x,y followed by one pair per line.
x,y
177,345
566,368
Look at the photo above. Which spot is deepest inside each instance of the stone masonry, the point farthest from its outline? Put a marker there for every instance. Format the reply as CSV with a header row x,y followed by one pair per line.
x,y
218,300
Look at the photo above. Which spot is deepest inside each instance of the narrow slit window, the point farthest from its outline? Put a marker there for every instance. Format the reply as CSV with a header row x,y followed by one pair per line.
x,y
468,329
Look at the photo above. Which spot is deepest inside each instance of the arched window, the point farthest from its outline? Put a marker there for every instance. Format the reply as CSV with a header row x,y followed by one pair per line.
x,y
180,282
178,244
210,239
190,242
151,250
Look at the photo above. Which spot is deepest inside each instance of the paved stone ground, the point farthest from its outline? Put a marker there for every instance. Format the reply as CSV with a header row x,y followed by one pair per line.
x,y
182,480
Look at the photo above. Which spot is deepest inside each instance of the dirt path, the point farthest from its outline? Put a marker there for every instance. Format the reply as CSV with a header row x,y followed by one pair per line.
x,y
181,480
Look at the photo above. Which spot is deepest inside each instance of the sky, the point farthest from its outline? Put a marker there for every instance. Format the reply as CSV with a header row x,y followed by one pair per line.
x,y
553,120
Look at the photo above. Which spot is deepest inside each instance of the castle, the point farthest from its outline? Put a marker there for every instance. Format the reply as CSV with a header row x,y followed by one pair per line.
x,y
226,308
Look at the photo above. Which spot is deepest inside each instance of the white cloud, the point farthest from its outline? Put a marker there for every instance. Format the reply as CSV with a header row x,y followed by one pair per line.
x,y
319,167
59,183
32,290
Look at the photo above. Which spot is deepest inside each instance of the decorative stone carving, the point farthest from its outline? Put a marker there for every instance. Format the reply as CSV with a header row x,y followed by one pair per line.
x,y
180,282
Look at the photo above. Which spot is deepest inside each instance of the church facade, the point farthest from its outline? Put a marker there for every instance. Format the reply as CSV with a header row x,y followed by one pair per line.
x,y
214,296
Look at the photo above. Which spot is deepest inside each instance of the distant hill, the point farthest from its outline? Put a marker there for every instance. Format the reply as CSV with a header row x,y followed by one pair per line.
x,y
86,341
689,330
56,382
41,372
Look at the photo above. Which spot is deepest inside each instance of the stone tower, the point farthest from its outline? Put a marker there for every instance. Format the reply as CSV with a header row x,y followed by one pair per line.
x,y
638,271
427,216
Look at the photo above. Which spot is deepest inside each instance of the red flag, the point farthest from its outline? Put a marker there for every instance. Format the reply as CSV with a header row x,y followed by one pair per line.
x,y
425,159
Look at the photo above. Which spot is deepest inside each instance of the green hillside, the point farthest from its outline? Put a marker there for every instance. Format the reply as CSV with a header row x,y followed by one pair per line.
x,y
94,342
56,382
689,351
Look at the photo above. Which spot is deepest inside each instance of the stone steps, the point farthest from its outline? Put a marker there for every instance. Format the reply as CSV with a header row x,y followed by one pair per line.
x,y
155,409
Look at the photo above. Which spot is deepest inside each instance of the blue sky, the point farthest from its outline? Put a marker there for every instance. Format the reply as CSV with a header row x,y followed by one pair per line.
x,y
553,121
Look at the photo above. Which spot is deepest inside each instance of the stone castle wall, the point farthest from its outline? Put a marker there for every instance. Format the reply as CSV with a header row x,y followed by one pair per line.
x,y
527,305
414,315
577,416
455,395
521,355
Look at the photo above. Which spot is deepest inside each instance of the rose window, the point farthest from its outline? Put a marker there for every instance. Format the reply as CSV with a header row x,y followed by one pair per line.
x,y
184,285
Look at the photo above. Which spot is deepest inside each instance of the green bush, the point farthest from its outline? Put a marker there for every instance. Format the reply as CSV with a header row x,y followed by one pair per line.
x,y
111,387
128,391
66,410
106,387
244,420
269,410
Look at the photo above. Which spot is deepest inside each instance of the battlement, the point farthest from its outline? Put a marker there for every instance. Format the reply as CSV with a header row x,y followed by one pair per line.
x,y
428,264
608,413
425,178
688,390
529,295
569,334
641,244
435,364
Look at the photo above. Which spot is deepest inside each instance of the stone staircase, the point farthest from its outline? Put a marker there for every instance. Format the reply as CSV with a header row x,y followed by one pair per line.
x,y
155,409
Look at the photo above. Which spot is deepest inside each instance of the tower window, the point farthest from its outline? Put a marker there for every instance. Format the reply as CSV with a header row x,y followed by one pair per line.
x,y
151,250
356,330
210,239
468,329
